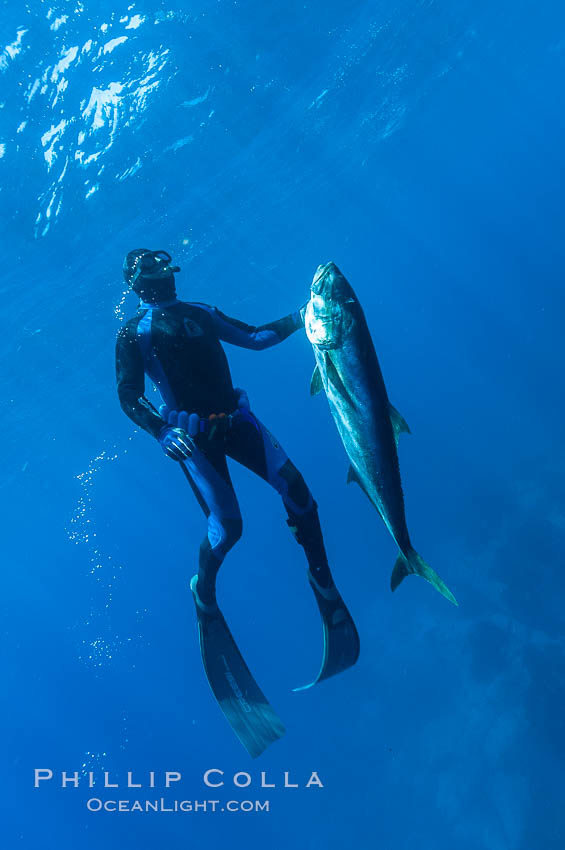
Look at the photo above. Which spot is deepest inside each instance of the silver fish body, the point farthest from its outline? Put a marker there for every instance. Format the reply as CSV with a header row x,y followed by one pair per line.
x,y
348,370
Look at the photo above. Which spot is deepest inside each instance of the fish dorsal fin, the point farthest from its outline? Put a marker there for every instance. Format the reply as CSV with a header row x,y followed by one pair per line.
x,y
316,385
399,425
353,476
335,379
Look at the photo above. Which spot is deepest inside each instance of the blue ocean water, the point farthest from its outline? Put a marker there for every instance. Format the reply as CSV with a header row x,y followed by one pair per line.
x,y
419,144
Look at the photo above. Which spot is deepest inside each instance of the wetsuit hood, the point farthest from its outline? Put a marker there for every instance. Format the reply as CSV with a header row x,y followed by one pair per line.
x,y
150,275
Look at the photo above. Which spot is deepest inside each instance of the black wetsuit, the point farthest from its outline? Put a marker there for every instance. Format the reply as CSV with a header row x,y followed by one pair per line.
x,y
178,345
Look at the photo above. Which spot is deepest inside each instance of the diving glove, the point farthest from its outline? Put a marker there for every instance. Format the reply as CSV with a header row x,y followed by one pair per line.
x,y
176,443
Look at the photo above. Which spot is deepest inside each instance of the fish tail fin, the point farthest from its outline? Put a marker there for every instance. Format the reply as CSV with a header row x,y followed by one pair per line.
x,y
415,564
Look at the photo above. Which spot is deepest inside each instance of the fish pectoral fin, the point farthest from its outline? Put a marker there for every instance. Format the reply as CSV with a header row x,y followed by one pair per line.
x,y
399,424
353,476
335,378
316,384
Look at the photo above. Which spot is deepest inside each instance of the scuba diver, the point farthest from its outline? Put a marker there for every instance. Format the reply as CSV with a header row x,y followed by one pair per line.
x,y
203,420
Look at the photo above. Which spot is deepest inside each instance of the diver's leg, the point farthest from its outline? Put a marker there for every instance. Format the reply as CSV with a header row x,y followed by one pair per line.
x,y
240,698
253,445
250,443
210,479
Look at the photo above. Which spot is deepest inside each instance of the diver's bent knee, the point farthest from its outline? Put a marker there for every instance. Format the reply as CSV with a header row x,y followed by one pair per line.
x,y
296,488
222,536
232,529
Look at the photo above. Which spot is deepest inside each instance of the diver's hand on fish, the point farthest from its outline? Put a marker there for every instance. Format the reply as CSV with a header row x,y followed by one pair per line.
x,y
348,370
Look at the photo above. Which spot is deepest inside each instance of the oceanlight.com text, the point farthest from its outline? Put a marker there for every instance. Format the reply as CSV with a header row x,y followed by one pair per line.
x,y
95,804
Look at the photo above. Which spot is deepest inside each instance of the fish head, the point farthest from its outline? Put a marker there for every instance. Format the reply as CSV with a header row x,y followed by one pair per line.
x,y
328,314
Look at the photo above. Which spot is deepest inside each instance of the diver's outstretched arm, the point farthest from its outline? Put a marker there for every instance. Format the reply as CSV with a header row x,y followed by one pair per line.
x,y
253,336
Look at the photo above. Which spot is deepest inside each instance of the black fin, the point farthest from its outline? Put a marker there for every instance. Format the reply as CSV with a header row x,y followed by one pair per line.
x,y
316,384
243,703
399,424
341,640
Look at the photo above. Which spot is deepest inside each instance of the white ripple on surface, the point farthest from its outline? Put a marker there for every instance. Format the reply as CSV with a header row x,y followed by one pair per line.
x,y
32,90
197,100
50,139
135,22
180,143
115,42
65,62
12,50
106,108
103,105
59,22
129,172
